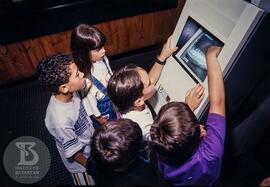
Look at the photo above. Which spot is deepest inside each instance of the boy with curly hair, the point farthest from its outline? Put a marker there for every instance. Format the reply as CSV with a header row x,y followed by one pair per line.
x,y
66,119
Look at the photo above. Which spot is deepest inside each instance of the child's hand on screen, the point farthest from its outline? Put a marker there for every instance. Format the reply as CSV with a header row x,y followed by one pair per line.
x,y
194,96
213,51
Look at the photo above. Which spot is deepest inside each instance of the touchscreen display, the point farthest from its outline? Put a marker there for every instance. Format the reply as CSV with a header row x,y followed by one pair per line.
x,y
192,52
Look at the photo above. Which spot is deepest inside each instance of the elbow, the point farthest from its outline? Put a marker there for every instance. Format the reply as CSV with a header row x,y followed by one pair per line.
x,y
217,105
219,101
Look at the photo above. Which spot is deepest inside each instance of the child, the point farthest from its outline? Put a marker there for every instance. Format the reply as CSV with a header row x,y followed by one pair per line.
x,y
185,155
87,45
114,157
131,86
66,119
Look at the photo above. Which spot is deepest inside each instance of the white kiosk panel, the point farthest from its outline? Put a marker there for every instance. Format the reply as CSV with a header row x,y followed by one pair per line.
x,y
202,23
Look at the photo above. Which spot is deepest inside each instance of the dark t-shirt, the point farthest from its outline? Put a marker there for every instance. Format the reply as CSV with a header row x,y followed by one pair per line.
x,y
139,173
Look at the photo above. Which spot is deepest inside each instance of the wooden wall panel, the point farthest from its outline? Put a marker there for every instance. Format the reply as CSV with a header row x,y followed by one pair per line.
x,y
19,60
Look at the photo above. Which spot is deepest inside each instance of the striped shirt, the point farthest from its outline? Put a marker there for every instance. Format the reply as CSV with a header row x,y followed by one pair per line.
x,y
72,130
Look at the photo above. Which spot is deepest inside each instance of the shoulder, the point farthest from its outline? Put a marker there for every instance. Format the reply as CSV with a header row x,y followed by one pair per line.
x,y
212,145
140,174
143,174
216,122
59,114
142,166
141,117
106,59
146,113
216,117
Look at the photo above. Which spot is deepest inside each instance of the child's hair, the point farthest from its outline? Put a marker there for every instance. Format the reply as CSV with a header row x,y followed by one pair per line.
x,y
125,87
116,144
53,71
175,133
85,38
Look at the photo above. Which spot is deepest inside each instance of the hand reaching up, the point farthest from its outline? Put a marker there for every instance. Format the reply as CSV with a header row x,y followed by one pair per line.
x,y
167,51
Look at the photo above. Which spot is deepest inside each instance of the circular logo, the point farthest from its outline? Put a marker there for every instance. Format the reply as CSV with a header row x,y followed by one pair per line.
x,y
27,159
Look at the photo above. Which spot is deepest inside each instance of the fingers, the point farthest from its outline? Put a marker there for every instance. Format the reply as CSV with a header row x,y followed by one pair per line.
x,y
202,131
194,96
167,51
189,91
169,39
199,91
215,50
196,92
200,98
168,44
174,49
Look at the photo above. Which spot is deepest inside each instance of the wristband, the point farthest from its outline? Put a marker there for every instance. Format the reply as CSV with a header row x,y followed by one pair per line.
x,y
159,61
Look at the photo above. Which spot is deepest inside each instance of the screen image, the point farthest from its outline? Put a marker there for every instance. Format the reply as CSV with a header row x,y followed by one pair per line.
x,y
190,28
192,53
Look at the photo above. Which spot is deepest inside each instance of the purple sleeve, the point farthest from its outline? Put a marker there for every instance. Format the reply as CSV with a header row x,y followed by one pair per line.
x,y
213,143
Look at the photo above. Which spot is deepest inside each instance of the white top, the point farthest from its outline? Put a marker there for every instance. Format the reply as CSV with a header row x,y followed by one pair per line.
x,y
71,128
101,73
143,118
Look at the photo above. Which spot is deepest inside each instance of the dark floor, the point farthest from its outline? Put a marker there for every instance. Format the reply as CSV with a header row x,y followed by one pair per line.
x,y
23,107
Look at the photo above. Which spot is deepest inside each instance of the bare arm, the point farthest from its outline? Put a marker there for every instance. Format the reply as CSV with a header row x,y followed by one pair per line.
x,y
215,82
79,157
166,51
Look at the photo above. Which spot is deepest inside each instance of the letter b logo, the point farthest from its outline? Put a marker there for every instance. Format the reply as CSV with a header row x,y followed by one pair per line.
x,y
26,148
26,159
